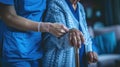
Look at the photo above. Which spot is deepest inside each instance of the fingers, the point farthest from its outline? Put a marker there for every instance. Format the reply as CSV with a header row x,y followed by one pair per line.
x,y
61,28
92,57
54,28
56,33
82,37
70,38
95,58
76,37
73,39
57,29
64,28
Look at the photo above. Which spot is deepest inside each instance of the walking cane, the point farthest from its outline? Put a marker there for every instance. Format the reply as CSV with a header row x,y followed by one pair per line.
x,y
77,56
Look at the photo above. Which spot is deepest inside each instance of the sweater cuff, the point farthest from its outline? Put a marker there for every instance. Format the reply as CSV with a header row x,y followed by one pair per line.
x,y
64,41
88,47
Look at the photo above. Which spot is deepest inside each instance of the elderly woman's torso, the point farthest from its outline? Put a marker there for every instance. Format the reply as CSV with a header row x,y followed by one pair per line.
x,y
58,52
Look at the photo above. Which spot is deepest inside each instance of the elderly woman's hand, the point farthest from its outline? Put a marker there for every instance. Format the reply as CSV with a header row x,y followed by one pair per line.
x,y
76,37
92,57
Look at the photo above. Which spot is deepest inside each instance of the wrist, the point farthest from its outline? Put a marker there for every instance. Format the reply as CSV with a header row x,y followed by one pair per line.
x,y
38,28
47,27
43,27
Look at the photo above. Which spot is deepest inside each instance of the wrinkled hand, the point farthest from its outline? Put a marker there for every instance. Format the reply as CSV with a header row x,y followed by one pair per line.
x,y
92,57
76,37
53,28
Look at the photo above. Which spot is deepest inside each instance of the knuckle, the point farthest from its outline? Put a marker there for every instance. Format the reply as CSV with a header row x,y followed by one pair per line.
x,y
61,25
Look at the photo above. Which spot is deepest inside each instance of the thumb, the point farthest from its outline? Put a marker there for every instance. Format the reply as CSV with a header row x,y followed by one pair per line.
x,y
65,28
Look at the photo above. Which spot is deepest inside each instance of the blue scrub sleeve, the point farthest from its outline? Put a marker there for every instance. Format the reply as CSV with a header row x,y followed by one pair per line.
x,y
7,2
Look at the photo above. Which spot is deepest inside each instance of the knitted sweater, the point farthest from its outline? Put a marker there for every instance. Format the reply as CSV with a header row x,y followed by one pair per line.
x,y
57,51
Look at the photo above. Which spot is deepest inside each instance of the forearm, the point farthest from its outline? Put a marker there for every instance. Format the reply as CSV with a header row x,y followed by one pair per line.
x,y
20,23
88,48
9,16
88,41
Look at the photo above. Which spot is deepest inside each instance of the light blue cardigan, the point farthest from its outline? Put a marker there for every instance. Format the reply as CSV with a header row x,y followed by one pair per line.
x,y
57,51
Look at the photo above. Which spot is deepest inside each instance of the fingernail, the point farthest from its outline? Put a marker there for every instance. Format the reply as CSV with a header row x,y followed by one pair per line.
x,y
79,43
79,46
62,31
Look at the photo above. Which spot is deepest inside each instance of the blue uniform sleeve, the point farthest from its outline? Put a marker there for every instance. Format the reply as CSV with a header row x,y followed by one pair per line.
x,y
7,2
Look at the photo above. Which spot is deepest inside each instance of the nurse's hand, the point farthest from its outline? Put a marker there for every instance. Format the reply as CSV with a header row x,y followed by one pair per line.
x,y
54,28
92,57
76,37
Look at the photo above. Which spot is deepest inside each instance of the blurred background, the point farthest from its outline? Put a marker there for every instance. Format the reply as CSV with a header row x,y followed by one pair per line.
x,y
103,19
104,11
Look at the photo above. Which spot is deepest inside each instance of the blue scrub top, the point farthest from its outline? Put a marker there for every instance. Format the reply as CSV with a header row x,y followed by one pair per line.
x,y
3,26
2,29
31,9
7,2
19,45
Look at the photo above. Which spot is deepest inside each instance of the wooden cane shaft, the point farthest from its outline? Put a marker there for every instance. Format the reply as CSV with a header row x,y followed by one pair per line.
x,y
77,57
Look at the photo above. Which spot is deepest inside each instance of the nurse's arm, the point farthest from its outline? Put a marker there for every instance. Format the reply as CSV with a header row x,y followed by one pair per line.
x,y
11,19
